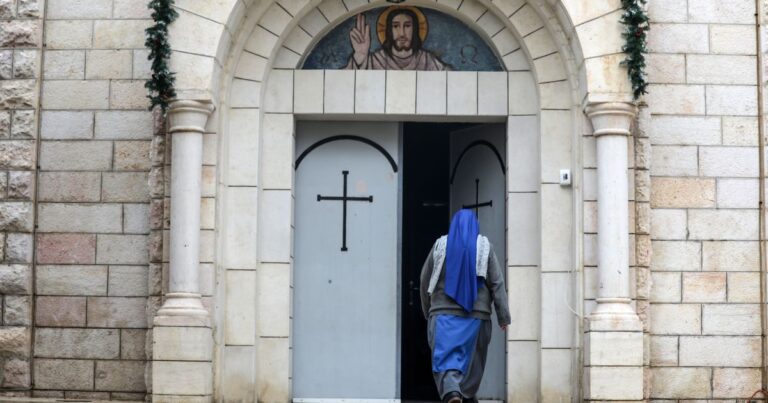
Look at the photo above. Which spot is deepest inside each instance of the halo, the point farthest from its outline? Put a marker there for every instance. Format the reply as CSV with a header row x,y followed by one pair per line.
x,y
381,24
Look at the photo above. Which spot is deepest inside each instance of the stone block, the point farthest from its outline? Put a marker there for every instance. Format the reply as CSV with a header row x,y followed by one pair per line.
x,y
668,224
64,64
64,9
614,348
69,186
128,281
369,91
136,218
739,131
19,33
277,145
64,374
730,256
718,69
25,63
735,382
62,217
75,94
683,383
728,161
69,34
685,130
60,312
124,376
15,279
16,216
247,94
75,155
119,34
130,9
732,39
77,343
744,287
117,312
688,38
674,161
21,185
682,192
108,64
125,187
721,11
722,224
739,100
17,154
731,319
676,99
663,351
671,319
241,293
339,94
182,378
71,280
720,351
23,125
66,248
704,287
602,383
5,124
666,287
126,94
278,96
124,125
182,343
122,249
737,193
556,363
308,90
666,68
17,311
274,363
18,248
400,92
142,66
676,256
133,344
15,342
66,125
16,374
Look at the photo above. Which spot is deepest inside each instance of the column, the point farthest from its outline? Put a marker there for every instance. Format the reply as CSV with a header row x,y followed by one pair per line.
x,y
182,367
614,338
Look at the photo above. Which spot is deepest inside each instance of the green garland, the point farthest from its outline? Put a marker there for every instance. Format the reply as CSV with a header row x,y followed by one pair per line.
x,y
636,25
160,86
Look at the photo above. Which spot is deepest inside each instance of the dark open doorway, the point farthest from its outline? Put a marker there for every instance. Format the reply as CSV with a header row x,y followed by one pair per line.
x,y
426,216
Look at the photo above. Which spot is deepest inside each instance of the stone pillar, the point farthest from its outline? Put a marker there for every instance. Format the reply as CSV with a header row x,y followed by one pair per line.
x,y
182,351
614,335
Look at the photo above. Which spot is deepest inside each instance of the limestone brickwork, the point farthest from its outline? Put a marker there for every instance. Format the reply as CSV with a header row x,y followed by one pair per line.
x,y
702,124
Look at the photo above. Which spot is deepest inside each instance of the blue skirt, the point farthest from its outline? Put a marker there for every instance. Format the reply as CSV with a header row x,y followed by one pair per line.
x,y
454,342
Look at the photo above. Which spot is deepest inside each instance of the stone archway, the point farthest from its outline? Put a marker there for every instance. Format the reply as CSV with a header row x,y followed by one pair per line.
x,y
257,103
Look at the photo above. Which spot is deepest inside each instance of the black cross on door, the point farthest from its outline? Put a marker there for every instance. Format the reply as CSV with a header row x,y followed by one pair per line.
x,y
477,204
344,199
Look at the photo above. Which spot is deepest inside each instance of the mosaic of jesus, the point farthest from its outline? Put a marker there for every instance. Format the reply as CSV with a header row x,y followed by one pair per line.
x,y
403,38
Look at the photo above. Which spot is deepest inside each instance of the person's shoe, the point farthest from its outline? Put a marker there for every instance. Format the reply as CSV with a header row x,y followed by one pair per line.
x,y
469,400
452,397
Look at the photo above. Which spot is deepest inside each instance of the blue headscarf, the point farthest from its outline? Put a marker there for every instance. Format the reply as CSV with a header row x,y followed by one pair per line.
x,y
461,282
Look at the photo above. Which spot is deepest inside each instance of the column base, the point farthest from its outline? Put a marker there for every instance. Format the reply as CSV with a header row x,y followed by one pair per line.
x,y
182,309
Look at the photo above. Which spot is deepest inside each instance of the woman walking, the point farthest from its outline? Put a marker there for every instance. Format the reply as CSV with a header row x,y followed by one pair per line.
x,y
459,280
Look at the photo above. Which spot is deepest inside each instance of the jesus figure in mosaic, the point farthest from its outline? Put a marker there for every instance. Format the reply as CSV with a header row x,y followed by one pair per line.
x,y
401,31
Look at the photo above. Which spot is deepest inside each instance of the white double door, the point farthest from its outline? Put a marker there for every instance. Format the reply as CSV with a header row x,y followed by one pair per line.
x,y
346,277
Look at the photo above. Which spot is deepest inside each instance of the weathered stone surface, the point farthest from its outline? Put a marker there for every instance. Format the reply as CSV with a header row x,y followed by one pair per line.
x,y
128,281
18,311
132,156
722,224
83,395
16,373
119,34
704,287
731,256
60,312
155,278
739,130
663,351
75,94
66,248
117,312
676,256
108,64
68,9
675,319
66,125
124,376
675,383
666,287
64,217
731,319
156,181
64,64
720,351
744,287
70,186
122,249
125,187
733,382
29,8
128,95
64,374
19,33
71,280
18,154
7,9
69,34
77,343
15,279
136,218
682,192
18,248
156,210
25,63
23,125
5,124
14,341
124,125
132,344
76,155
21,185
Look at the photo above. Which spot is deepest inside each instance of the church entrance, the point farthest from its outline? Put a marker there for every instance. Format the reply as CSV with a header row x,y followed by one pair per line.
x,y
370,200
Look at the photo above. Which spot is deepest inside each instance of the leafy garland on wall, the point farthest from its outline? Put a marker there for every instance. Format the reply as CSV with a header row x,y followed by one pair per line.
x,y
160,85
636,26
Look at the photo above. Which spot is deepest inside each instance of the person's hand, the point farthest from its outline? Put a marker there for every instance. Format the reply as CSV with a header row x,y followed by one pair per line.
x,y
503,328
361,39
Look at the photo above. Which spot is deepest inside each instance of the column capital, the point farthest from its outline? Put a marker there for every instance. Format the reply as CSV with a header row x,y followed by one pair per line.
x,y
611,118
189,116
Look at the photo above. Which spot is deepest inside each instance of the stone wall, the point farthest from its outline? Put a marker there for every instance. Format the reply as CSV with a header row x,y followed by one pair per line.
x,y
20,40
704,313
92,276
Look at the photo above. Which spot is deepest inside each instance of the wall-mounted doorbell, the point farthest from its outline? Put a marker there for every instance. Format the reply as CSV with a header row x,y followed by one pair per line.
x,y
565,177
